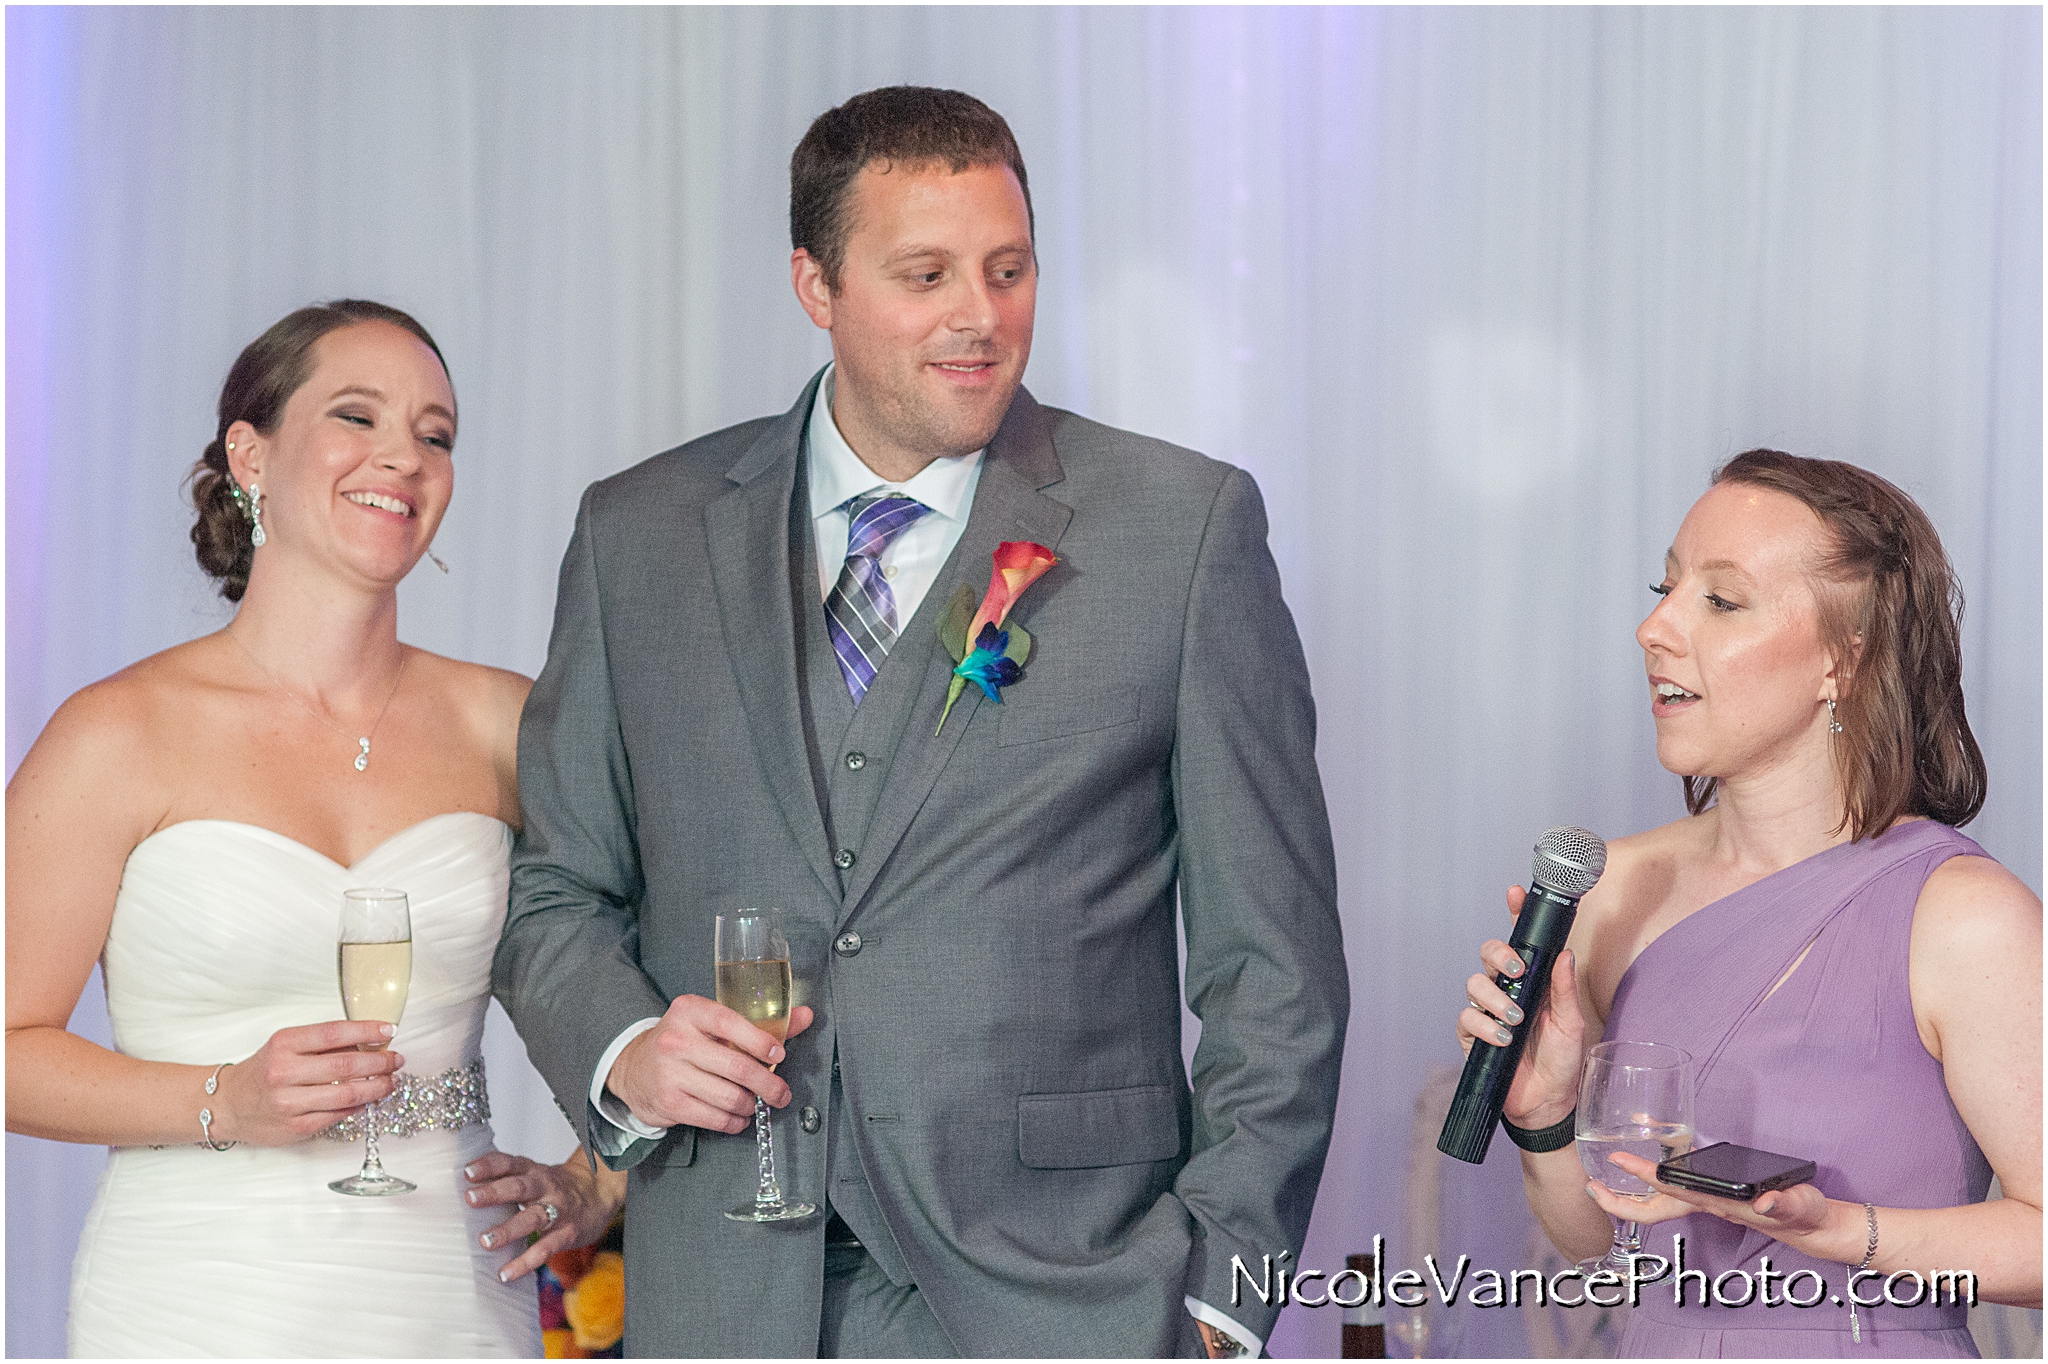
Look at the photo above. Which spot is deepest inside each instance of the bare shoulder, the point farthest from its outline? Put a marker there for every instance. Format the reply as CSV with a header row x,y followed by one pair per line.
x,y
1974,960
485,702
115,724
1973,902
492,695
1641,867
1627,907
105,766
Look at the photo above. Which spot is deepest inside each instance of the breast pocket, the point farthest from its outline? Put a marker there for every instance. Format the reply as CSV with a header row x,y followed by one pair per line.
x,y
1056,715
1086,1131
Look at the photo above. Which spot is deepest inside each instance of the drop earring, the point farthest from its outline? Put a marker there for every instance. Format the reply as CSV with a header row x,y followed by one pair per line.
x,y
1834,725
437,561
256,535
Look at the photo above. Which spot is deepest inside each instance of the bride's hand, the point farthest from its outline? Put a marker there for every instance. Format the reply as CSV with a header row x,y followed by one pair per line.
x,y
584,1200
303,1081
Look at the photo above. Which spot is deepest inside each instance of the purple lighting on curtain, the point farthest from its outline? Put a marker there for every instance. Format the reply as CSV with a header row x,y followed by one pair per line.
x,y
42,81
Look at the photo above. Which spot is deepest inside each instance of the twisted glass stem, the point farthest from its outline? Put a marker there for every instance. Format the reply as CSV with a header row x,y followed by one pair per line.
x,y
769,1195
373,1164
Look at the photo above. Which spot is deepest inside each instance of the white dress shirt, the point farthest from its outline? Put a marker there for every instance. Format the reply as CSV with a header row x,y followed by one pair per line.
x,y
910,564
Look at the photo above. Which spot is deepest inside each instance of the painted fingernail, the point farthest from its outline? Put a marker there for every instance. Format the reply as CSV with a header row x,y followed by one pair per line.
x,y
1590,1194
1503,1036
469,1171
473,1195
504,1276
489,1239
775,1055
389,1030
1513,1014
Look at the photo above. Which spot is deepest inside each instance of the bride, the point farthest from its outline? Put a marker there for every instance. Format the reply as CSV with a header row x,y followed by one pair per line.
x,y
191,823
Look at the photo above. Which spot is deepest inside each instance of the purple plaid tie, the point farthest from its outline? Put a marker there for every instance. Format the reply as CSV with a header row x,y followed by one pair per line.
x,y
860,614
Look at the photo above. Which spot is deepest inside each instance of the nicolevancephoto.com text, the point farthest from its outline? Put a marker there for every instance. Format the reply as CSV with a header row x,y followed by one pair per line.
x,y
1273,1282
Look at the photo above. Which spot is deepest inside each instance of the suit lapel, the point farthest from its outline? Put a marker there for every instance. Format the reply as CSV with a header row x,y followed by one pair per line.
x,y
1008,505
754,576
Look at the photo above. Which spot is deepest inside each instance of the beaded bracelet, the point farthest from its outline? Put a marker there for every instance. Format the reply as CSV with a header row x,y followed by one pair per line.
x,y
1869,1254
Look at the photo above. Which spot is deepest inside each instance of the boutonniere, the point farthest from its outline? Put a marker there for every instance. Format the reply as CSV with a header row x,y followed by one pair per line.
x,y
985,651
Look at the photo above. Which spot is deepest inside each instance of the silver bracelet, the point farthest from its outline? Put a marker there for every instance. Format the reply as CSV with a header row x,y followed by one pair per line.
x,y
206,1114
1869,1254
1228,1345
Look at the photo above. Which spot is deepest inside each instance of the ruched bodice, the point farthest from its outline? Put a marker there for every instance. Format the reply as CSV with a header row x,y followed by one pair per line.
x,y
222,934
244,921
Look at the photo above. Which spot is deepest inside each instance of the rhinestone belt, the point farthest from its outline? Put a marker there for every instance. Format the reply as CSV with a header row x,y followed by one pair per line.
x,y
452,1100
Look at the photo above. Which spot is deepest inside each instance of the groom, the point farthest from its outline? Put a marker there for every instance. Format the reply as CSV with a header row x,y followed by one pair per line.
x,y
744,705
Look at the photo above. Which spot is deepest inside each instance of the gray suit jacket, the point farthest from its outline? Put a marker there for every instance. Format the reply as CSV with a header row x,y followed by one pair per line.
x,y
1002,1031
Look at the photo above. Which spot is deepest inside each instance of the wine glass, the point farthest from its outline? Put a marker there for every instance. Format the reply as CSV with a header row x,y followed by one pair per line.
x,y
754,982
1634,1097
375,962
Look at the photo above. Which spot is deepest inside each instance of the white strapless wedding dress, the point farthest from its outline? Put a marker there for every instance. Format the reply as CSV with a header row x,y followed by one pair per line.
x,y
222,934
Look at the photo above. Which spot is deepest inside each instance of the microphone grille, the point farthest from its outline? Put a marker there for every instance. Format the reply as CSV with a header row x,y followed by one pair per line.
x,y
1569,860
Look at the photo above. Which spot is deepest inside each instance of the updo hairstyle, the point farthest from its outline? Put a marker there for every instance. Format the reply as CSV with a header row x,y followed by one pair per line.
x,y
1905,746
259,384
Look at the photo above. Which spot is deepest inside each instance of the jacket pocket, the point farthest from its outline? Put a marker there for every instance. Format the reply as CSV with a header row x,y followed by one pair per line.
x,y
1102,1127
1055,715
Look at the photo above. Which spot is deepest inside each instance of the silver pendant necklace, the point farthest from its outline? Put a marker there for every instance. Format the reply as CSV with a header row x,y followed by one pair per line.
x,y
362,762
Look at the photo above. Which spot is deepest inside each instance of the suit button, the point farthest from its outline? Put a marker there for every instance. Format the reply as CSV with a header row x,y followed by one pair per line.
x,y
808,1119
848,944
856,761
844,858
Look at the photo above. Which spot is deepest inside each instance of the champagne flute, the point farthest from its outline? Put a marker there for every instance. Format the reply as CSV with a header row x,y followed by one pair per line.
x,y
1634,1097
754,982
375,960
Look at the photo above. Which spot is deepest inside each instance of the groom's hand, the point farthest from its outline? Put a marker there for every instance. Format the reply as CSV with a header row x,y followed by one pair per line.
x,y
702,1065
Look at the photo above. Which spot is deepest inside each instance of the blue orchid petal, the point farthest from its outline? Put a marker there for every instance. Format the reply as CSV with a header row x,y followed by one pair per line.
x,y
986,667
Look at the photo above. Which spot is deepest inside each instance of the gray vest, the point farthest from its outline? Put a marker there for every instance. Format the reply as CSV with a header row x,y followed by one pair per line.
x,y
851,752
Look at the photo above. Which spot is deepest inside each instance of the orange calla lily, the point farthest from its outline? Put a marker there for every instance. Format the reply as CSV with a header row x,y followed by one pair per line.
x,y
983,650
1019,563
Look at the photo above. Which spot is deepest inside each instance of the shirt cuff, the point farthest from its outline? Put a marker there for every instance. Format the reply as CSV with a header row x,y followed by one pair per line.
x,y
610,1106
1253,1347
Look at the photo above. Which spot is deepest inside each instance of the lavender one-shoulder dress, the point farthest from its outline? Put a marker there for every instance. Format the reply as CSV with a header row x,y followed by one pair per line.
x,y
1828,1067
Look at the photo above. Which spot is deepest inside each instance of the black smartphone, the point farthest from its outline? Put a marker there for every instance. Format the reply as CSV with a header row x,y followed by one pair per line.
x,y
1732,1171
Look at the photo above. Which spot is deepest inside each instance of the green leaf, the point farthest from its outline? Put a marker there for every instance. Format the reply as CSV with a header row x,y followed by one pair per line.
x,y
953,632
958,685
1020,644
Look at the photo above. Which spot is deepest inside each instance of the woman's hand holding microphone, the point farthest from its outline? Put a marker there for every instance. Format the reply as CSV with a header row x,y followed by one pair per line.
x,y
1546,1084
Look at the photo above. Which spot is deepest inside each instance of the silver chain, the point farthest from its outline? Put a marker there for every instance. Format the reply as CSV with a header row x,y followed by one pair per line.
x,y
363,758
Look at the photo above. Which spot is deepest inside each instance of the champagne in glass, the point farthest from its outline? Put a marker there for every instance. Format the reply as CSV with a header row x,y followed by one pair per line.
x,y
374,960
1634,1097
375,977
754,982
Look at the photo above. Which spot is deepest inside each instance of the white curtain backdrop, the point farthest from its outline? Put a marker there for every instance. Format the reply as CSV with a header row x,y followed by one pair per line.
x,y
1479,295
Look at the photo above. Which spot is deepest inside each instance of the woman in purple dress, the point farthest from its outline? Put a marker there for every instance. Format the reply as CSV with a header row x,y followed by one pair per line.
x,y
1858,984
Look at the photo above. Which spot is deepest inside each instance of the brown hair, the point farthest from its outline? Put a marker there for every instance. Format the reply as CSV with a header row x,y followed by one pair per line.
x,y
906,125
259,384
1886,586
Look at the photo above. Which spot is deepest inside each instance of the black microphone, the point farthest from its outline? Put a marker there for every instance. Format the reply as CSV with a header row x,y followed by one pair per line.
x,y
1568,862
